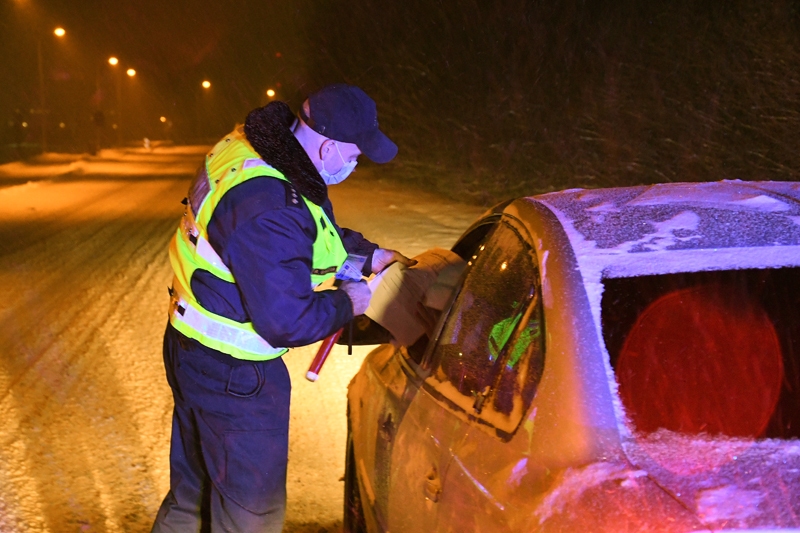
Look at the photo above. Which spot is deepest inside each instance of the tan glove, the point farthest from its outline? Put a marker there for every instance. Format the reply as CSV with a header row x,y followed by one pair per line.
x,y
359,294
382,258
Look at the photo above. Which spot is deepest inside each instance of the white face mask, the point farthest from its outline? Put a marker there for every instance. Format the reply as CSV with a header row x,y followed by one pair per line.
x,y
347,168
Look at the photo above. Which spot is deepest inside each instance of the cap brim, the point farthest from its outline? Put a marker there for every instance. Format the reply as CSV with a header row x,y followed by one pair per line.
x,y
378,147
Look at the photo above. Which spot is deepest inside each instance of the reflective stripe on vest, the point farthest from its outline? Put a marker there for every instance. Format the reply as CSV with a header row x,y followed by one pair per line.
x,y
232,162
218,333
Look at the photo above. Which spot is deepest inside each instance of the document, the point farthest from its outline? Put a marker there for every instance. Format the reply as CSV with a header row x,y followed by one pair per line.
x,y
398,290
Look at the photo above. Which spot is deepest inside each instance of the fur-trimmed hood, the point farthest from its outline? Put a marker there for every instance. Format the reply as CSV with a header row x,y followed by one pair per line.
x,y
268,131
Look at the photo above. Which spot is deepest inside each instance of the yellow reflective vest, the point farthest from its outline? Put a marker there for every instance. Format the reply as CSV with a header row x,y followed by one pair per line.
x,y
231,162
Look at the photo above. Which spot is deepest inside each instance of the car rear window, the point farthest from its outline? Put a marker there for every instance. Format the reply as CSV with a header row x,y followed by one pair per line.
x,y
713,353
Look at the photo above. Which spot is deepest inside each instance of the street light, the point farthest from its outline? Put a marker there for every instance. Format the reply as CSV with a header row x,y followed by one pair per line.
x,y
58,32
270,93
113,61
130,72
206,84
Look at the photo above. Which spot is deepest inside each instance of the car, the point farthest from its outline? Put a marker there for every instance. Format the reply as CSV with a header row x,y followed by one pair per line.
x,y
620,359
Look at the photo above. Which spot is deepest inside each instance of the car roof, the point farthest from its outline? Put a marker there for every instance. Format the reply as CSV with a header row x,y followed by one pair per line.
x,y
663,229
680,227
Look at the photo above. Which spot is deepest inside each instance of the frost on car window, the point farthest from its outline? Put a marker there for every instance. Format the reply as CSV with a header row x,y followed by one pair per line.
x,y
488,358
714,353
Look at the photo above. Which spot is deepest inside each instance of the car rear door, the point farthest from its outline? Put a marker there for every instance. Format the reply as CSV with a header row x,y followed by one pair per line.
x,y
487,364
421,454
484,368
425,434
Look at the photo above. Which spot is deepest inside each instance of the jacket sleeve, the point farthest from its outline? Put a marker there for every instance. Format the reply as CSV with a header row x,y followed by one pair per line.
x,y
269,252
354,242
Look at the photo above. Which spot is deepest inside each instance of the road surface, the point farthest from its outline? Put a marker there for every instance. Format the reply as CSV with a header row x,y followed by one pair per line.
x,y
84,404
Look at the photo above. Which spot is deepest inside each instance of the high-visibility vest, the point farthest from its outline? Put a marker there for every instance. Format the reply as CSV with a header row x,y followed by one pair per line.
x,y
232,161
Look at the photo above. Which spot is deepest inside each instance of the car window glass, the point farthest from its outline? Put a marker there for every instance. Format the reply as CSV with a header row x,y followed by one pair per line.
x,y
519,372
707,353
488,357
465,248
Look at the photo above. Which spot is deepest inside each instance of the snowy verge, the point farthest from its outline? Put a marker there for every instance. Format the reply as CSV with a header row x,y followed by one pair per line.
x,y
168,160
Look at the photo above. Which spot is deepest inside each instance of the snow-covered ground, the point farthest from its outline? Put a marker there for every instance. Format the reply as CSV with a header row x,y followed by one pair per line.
x,y
84,404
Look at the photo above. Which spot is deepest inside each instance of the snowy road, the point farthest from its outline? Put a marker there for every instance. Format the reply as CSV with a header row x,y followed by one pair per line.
x,y
84,404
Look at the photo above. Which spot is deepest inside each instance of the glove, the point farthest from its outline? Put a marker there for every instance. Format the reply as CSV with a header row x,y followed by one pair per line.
x,y
382,258
359,294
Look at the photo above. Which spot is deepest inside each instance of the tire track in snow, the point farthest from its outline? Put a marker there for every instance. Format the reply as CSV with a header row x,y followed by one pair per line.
x,y
86,439
80,293
86,268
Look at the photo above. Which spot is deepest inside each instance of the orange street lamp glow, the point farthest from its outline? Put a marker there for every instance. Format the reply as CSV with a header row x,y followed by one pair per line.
x,y
206,84
113,61
270,93
60,32
131,72
163,119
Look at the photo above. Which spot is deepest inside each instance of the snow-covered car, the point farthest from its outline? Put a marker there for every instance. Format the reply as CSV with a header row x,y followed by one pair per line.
x,y
622,359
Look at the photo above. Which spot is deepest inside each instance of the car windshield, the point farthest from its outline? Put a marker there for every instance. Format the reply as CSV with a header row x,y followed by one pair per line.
x,y
707,353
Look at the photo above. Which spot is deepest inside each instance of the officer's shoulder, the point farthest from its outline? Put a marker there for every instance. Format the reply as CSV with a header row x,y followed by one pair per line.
x,y
268,192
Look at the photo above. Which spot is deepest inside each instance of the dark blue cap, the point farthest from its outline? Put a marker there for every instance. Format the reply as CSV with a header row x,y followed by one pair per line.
x,y
345,113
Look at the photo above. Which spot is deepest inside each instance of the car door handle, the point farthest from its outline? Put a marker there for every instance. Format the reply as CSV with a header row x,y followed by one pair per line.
x,y
386,429
433,485
480,397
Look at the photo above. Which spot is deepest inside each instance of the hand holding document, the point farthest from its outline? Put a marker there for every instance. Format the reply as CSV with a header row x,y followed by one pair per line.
x,y
398,291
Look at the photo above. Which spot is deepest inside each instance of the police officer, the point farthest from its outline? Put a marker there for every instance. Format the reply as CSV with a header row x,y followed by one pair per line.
x,y
257,236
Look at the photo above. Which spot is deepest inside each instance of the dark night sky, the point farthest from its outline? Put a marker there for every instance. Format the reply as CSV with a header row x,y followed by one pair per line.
x,y
575,92
242,48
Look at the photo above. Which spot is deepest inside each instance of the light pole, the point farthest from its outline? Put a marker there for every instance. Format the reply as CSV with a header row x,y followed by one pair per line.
x,y
114,62
130,98
41,94
204,109
58,32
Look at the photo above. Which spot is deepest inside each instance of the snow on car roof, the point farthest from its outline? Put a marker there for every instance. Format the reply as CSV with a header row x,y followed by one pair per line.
x,y
680,227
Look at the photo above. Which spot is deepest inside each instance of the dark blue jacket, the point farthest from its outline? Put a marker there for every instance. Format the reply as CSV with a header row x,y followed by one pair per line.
x,y
266,241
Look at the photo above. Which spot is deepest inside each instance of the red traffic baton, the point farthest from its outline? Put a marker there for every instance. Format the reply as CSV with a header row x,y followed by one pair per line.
x,y
322,354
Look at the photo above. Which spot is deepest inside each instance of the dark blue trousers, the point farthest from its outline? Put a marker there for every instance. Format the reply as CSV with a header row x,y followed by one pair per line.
x,y
230,442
